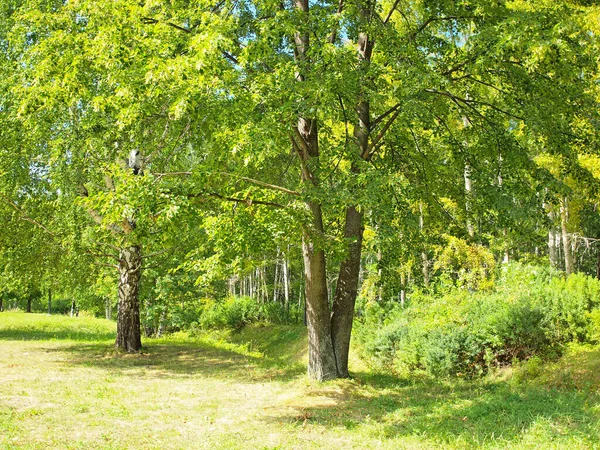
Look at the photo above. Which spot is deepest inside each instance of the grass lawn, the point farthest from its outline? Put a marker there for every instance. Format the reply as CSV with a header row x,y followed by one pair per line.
x,y
62,385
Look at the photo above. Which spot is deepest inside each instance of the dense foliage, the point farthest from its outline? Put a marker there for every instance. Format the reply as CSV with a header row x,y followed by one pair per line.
x,y
531,311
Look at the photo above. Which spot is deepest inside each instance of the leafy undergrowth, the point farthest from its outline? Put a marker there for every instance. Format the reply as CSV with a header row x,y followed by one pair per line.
x,y
248,390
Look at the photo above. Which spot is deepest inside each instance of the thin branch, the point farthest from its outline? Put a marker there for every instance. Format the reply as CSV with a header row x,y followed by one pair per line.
x,y
468,102
376,121
25,217
102,255
159,175
151,255
389,16
152,21
262,183
247,201
436,19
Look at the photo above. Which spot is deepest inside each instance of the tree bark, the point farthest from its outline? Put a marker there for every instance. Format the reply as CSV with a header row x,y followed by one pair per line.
x,y
129,336
321,358
49,301
346,291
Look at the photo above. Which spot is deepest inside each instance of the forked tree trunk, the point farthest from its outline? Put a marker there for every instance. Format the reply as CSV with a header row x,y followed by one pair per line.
x,y
346,291
129,336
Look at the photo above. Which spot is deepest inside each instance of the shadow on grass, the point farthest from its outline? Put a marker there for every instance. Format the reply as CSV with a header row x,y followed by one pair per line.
x,y
165,359
470,413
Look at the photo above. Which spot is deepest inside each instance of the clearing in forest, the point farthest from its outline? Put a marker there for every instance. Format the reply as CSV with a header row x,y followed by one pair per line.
x,y
62,385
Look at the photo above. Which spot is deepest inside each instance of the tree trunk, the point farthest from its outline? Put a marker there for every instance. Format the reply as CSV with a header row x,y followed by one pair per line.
x,y
129,336
565,238
552,250
347,285
346,291
49,301
468,195
28,304
73,307
108,309
286,286
161,323
321,358
275,291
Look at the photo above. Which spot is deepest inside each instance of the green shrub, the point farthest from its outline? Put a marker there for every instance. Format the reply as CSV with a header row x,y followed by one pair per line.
x,y
530,313
237,312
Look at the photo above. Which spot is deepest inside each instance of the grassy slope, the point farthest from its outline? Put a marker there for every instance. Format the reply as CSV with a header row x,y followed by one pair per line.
x,y
63,386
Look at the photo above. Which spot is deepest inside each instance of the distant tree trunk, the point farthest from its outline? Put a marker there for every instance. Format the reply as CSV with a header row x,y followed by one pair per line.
x,y
469,193
49,301
424,256
28,303
597,271
231,282
552,250
402,289
565,238
286,286
108,309
263,278
1,304
275,290
161,323
128,318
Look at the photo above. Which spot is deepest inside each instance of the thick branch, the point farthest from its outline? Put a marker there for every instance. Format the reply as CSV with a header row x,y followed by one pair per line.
x,y
384,115
366,155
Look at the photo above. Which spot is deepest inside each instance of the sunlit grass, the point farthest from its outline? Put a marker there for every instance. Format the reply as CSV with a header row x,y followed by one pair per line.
x,y
63,385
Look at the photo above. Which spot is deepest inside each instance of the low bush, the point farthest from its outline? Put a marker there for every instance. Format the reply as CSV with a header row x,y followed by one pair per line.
x,y
531,312
236,312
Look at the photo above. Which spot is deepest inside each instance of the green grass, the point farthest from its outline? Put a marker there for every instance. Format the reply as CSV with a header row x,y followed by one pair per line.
x,y
62,385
